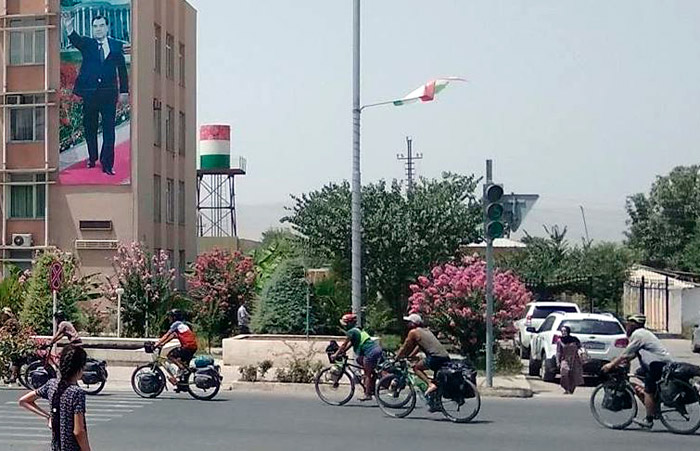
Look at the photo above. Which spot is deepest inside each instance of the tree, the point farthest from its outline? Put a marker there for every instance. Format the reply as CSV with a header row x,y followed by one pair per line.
x,y
38,299
218,283
282,307
551,265
664,222
453,298
403,234
277,246
147,279
12,289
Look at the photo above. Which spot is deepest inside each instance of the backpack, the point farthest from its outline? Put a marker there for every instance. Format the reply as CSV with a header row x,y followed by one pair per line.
x,y
452,379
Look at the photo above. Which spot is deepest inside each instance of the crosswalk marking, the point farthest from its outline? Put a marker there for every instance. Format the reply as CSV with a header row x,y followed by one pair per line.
x,y
21,428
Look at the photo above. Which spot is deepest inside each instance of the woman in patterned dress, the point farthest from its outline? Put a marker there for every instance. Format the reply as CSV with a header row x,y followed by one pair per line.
x,y
67,417
570,365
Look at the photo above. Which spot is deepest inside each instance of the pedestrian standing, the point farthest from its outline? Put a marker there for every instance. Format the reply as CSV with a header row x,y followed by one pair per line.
x,y
243,319
67,400
569,358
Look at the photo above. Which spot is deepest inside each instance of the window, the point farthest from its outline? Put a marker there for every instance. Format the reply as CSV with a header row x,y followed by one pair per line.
x,y
181,202
169,56
27,46
593,327
170,130
545,311
181,63
182,266
171,258
156,198
26,121
158,48
547,324
157,123
28,200
182,134
170,201
22,258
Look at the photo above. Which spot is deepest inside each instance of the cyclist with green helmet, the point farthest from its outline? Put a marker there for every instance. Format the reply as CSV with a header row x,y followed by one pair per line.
x,y
653,357
368,351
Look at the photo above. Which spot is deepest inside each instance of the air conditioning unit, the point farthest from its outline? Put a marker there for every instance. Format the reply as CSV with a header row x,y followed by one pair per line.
x,y
22,239
97,245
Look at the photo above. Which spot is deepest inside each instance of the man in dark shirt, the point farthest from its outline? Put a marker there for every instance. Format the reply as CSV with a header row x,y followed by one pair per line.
x,y
101,83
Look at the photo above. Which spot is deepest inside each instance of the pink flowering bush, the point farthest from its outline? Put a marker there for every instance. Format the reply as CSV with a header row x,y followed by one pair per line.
x,y
147,279
453,299
218,283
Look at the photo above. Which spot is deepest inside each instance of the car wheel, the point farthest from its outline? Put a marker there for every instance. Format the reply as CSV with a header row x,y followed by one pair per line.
x,y
696,349
547,372
533,367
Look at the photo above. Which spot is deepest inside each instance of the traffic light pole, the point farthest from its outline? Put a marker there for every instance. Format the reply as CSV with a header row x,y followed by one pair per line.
x,y
489,288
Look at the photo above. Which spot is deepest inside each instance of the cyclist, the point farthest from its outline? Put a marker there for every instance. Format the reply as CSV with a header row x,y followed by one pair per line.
x,y
181,355
653,357
420,338
64,329
368,351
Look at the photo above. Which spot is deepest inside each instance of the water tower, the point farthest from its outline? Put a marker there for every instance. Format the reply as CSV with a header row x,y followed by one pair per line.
x,y
216,195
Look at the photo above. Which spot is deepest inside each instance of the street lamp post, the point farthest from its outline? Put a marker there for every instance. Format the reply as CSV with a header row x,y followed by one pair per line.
x,y
356,178
120,292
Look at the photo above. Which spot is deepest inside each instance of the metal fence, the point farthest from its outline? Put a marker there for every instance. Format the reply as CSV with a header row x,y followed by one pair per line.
x,y
651,298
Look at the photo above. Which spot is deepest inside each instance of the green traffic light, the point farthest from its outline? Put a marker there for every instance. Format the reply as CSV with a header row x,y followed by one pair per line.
x,y
495,229
494,212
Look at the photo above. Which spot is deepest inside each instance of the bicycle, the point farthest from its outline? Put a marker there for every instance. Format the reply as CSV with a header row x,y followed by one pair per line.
x,y
396,394
44,366
202,381
335,385
614,404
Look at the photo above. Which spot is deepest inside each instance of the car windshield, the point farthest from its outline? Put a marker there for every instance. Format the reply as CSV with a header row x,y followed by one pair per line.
x,y
594,327
542,312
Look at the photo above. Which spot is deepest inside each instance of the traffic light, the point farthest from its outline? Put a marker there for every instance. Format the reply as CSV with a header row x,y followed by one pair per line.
x,y
494,225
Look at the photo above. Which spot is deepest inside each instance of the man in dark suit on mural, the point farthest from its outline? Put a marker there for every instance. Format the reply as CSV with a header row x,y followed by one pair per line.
x,y
101,83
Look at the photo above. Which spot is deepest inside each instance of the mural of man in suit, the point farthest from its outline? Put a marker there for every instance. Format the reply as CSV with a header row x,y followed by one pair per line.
x,y
101,83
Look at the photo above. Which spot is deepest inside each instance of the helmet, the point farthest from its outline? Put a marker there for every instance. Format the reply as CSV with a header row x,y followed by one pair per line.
x,y
175,314
637,319
59,315
348,318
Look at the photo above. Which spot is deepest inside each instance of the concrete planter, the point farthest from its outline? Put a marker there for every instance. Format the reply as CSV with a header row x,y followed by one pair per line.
x,y
253,349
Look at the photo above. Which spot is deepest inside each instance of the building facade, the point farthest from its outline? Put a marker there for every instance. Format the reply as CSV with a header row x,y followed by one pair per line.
x,y
157,203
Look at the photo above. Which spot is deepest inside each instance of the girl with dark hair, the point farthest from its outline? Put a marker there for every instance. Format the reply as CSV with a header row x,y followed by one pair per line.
x,y
67,416
569,358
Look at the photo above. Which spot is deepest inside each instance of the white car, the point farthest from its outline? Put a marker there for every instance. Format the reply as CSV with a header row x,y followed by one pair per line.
x,y
535,314
601,335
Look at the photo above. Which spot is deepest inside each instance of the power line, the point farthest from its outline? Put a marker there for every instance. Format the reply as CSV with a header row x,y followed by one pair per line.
x,y
409,158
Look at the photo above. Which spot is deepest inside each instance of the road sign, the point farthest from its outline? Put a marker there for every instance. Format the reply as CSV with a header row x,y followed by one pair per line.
x,y
55,276
517,206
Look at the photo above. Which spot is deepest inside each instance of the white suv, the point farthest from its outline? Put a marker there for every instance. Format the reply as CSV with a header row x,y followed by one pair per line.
x,y
600,334
535,314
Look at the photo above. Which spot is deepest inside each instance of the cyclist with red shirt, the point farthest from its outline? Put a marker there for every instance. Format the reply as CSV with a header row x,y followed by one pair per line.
x,y
181,355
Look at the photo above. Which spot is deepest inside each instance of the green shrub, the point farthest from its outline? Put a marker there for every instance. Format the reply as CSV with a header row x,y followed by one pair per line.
x,y
264,367
508,361
301,369
249,373
390,342
38,301
12,289
282,308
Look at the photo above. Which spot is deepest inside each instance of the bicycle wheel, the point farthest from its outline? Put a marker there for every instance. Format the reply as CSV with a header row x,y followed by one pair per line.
x,y
396,395
461,410
93,389
157,380
37,365
203,394
334,386
683,418
618,418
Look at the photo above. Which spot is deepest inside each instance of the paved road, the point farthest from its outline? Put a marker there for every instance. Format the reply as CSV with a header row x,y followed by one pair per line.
x,y
261,422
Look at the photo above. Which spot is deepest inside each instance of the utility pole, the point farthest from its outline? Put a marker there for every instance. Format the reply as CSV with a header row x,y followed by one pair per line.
x,y
409,158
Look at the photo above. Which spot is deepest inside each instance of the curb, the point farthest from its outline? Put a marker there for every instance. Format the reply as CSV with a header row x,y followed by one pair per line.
x,y
270,387
501,392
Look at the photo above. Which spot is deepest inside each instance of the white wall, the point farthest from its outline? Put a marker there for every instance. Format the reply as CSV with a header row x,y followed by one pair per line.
x,y
691,307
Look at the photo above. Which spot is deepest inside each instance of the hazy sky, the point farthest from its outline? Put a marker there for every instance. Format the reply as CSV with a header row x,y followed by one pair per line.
x,y
581,102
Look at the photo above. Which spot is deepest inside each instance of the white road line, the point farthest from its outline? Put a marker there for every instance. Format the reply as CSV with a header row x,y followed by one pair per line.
x,y
26,428
24,442
10,434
